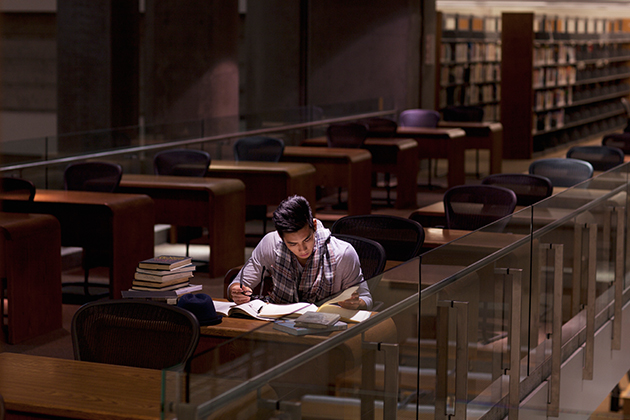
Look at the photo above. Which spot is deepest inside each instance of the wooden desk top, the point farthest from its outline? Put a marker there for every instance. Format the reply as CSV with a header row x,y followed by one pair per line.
x,y
86,197
474,128
435,237
216,185
431,133
400,143
85,390
337,153
290,168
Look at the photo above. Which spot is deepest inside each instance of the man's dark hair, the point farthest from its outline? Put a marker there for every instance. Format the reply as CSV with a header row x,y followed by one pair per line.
x,y
292,215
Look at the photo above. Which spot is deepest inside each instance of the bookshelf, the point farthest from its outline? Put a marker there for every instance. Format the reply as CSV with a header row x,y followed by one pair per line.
x,y
469,53
562,78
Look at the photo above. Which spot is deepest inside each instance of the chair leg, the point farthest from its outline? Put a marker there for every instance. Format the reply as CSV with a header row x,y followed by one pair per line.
x,y
477,163
86,284
388,188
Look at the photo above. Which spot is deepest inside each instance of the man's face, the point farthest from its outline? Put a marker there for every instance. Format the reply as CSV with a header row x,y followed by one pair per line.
x,y
301,243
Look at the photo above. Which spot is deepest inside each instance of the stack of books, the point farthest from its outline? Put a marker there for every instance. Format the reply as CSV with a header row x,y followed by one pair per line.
x,y
163,276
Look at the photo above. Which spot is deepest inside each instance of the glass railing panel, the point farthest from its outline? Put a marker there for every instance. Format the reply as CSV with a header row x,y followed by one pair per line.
x,y
486,263
26,151
261,369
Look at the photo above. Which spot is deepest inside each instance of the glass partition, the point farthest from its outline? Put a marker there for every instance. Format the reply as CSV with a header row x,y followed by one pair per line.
x,y
463,330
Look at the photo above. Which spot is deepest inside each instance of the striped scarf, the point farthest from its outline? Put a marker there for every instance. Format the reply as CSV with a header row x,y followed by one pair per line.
x,y
292,283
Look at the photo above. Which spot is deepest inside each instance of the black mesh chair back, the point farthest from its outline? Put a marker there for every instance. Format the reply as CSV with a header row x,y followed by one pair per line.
x,y
419,118
259,148
562,172
618,140
16,189
379,126
371,254
602,158
134,333
181,162
92,176
348,135
470,207
401,238
529,188
461,113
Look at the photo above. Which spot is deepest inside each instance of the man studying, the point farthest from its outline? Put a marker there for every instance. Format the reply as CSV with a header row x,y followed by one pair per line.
x,y
305,262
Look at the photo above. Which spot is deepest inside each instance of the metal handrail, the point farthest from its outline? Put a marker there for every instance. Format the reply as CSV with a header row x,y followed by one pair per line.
x,y
190,142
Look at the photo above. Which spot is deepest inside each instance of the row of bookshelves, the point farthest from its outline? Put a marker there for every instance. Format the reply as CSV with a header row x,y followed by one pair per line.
x,y
562,53
563,135
545,77
472,73
608,112
469,95
566,97
465,52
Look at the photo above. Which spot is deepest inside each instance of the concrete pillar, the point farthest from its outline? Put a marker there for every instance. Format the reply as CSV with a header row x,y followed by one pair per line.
x,y
191,61
97,70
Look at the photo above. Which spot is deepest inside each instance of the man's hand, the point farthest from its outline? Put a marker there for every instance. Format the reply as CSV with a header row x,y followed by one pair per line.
x,y
240,295
353,303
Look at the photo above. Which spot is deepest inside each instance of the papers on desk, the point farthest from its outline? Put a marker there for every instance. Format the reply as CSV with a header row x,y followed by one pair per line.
x,y
347,315
262,310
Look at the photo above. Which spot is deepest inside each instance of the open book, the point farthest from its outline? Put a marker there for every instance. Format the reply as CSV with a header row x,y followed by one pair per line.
x,y
347,315
262,310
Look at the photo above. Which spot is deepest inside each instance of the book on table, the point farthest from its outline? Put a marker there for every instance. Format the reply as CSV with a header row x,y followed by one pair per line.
x,y
184,268
160,285
289,326
346,315
160,293
164,262
321,320
262,310
163,278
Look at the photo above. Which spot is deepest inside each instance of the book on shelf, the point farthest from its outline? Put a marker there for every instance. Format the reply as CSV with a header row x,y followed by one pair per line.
x,y
262,310
289,326
163,278
164,262
184,268
161,285
160,293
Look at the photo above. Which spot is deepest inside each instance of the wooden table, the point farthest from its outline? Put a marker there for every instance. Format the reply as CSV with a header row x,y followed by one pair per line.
x,y
392,156
441,143
268,183
339,167
252,346
120,223
482,135
42,387
31,264
215,203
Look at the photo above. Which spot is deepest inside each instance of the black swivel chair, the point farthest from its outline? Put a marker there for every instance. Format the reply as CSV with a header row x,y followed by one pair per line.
x,y
259,149
16,189
618,140
470,207
562,172
401,238
529,188
602,158
420,118
183,162
95,177
135,333
348,135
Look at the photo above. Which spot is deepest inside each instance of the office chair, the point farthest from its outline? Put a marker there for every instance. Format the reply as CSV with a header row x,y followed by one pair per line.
x,y
259,148
602,158
529,188
618,140
420,118
2,408
92,176
262,149
382,128
349,135
95,177
16,189
401,238
461,113
470,207
562,172
183,162
135,333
